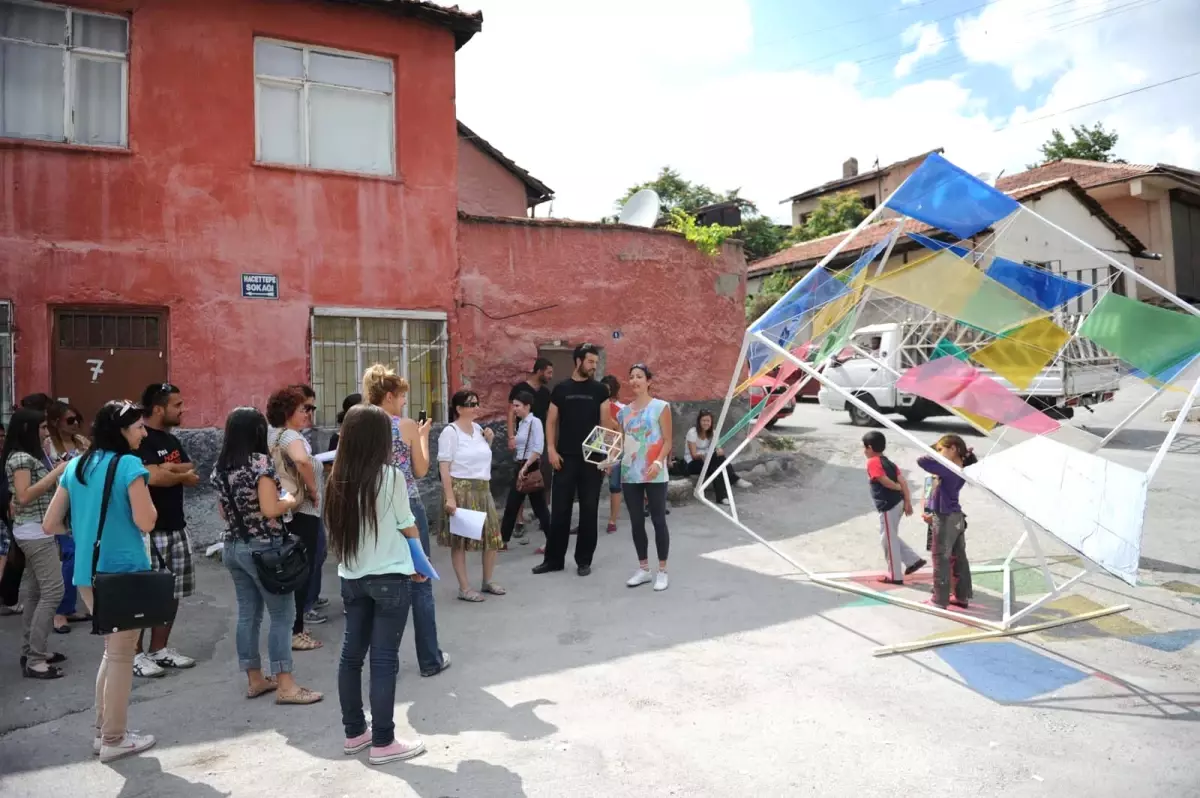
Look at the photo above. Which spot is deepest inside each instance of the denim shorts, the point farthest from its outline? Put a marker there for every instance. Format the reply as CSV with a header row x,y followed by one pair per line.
x,y
614,479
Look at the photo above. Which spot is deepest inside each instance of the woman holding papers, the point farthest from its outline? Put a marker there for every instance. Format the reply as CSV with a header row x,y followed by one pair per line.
x,y
374,537
465,464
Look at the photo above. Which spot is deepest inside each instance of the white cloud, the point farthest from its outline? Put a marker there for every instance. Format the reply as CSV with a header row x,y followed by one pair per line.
x,y
593,98
928,41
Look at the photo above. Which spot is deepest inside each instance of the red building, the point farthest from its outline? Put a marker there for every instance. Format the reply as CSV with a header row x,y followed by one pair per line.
x,y
238,194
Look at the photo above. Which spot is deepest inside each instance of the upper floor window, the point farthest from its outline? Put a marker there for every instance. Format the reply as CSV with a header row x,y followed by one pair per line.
x,y
63,74
323,109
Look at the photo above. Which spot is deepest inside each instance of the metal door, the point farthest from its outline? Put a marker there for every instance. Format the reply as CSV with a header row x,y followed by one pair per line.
x,y
102,354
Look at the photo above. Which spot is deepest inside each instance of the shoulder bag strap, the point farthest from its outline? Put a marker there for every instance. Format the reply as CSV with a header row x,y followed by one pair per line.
x,y
240,523
528,436
110,477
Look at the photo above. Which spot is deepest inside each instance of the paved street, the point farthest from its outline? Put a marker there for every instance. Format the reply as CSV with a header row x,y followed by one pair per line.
x,y
740,680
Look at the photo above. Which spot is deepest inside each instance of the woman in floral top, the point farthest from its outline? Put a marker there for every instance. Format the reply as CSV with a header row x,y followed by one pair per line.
x,y
252,505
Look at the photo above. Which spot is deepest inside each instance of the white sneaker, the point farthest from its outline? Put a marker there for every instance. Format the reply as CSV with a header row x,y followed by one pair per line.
x,y
723,501
170,658
660,581
744,483
640,578
130,744
146,668
98,741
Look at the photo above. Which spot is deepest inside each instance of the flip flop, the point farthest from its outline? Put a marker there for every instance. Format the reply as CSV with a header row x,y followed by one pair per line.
x,y
494,589
269,687
471,596
301,697
62,630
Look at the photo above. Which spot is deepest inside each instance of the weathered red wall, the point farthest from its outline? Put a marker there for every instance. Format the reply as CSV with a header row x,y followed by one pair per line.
x,y
175,220
678,310
485,187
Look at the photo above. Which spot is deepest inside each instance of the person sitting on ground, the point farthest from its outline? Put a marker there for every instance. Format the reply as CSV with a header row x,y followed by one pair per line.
x,y
117,432
368,517
949,524
253,504
697,443
465,466
889,492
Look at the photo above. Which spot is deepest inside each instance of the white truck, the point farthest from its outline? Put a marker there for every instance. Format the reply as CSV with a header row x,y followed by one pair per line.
x,y
1081,376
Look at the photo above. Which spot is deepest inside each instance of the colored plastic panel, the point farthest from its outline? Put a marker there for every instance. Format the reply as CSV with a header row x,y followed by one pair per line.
x,y
935,245
944,196
1044,289
1093,505
954,384
836,339
947,348
1148,338
949,285
1164,378
1022,354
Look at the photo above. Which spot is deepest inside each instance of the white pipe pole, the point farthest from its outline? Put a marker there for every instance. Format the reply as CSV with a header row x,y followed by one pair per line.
x,y
1166,444
1153,286
759,538
729,395
1137,411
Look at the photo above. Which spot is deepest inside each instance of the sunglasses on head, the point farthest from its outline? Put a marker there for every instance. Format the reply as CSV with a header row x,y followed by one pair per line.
x,y
72,419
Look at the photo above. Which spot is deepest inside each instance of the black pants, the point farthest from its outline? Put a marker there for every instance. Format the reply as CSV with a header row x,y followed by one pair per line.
x,y
10,580
307,528
537,500
718,485
576,479
655,495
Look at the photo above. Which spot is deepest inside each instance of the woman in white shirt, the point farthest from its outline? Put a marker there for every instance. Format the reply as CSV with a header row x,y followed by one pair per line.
x,y
369,522
530,444
465,465
696,445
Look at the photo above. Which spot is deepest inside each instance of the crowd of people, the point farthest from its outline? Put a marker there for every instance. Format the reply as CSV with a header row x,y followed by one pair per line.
x,y
124,486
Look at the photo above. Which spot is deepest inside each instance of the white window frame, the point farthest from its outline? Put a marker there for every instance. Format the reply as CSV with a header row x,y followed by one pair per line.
x,y
85,53
304,84
358,314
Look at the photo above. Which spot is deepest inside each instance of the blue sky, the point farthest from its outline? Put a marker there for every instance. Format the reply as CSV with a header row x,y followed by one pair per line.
x,y
772,95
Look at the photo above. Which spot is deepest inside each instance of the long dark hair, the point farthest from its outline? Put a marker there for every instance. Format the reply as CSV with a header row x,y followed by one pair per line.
x,y
364,451
959,445
245,435
711,430
111,420
459,399
23,435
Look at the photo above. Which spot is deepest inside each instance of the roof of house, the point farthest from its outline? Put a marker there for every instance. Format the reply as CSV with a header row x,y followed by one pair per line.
x,y
464,24
810,252
1091,174
536,191
842,182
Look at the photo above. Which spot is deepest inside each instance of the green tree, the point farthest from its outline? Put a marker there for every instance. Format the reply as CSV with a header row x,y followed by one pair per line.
x,y
675,192
708,238
834,213
1089,144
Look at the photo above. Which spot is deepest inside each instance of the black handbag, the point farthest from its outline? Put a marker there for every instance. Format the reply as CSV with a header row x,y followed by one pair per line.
x,y
136,600
282,567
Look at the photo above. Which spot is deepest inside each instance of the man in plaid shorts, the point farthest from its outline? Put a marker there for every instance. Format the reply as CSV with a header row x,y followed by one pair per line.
x,y
170,470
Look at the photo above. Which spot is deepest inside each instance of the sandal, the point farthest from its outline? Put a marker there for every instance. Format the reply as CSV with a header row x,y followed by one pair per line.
x,y
303,696
494,589
302,642
471,596
62,630
254,692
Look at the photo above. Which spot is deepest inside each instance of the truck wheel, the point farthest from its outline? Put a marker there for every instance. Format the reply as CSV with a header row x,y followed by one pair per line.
x,y
915,418
857,417
1061,413
771,424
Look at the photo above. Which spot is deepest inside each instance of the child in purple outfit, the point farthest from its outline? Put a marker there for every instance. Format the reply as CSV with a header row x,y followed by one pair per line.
x,y
949,524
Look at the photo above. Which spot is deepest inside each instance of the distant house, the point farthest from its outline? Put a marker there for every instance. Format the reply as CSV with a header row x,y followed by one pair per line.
x,y
491,184
1061,201
1159,203
873,186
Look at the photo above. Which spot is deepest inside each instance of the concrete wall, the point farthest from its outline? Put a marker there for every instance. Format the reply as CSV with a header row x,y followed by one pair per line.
x,y
485,187
174,220
1149,218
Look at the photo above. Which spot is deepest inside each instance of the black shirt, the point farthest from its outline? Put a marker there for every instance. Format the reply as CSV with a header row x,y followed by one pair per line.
x,y
884,498
158,448
578,406
541,398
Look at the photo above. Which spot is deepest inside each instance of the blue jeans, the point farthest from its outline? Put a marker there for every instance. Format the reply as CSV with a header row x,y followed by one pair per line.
x,y
314,575
429,656
66,550
376,611
252,597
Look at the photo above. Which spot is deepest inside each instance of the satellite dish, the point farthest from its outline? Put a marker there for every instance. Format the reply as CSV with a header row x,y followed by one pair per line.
x,y
987,178
641,210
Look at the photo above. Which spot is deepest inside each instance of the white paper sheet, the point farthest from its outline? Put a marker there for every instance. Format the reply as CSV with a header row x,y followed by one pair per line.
x,y
467,523
325,457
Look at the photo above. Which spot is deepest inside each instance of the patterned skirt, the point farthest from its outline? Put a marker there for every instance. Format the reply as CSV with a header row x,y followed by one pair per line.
x,y
472,494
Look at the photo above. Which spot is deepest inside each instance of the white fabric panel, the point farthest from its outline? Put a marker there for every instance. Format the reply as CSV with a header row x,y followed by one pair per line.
x,y
1093,505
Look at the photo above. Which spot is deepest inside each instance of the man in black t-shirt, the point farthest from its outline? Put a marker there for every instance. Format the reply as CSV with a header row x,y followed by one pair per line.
x,y
170,470
577,406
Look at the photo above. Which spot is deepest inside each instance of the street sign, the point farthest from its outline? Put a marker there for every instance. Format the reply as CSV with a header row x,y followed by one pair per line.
x,y
260,286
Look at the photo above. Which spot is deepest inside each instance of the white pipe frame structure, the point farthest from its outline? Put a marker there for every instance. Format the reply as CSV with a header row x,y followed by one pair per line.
x,y
1030,533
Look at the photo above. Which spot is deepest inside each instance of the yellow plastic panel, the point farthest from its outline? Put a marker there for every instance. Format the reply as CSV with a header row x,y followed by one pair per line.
x,y
1022,354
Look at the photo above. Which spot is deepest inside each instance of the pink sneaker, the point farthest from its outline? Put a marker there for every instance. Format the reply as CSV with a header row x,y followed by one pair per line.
x,y
612,527
354,745
395,752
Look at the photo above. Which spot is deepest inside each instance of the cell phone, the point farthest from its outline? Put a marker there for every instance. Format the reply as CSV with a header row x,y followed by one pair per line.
x,y
421,417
